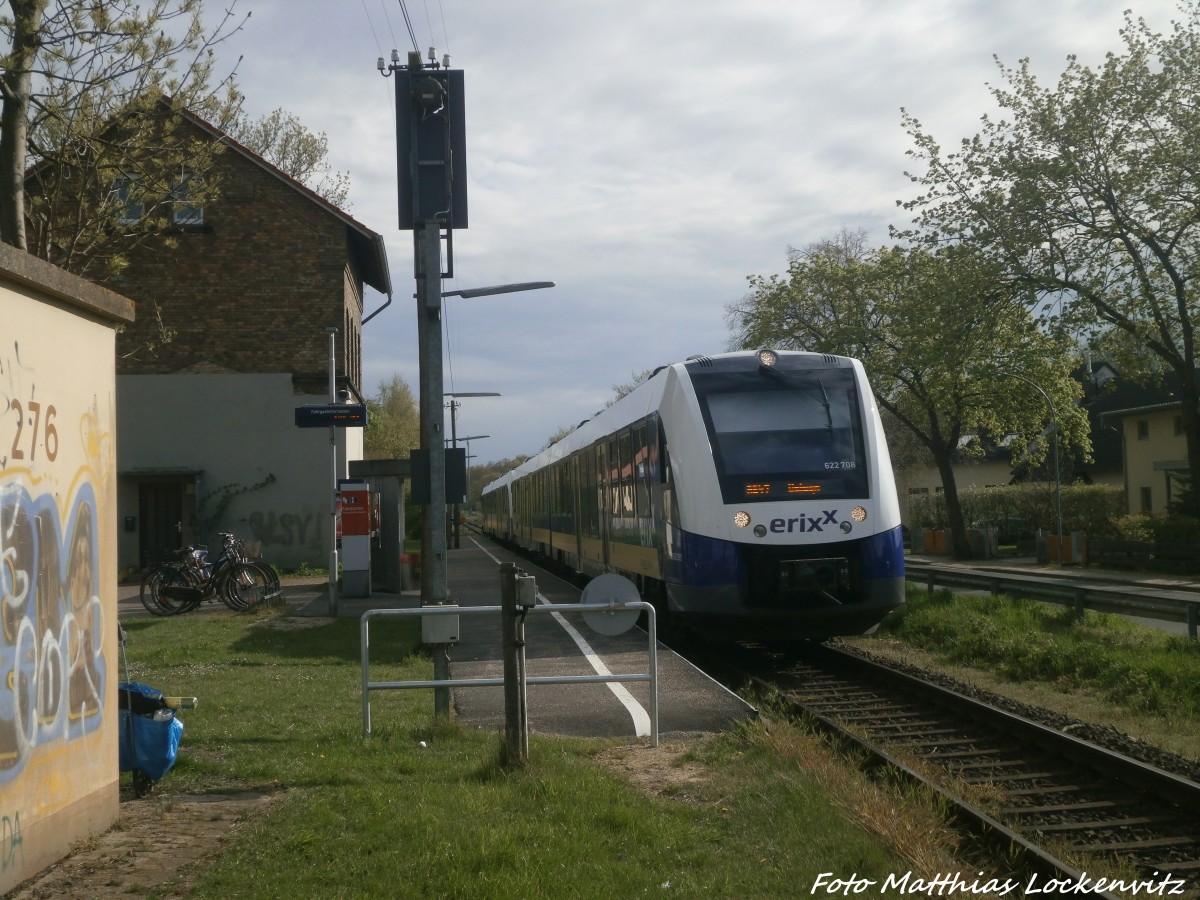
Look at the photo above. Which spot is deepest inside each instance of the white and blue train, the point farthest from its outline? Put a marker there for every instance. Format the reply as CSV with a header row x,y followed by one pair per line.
x,y
748,494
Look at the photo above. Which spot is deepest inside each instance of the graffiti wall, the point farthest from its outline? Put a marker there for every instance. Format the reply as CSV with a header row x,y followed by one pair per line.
x,y
58,665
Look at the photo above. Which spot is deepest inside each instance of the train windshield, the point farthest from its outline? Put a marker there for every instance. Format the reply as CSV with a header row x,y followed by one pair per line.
x,y
792,434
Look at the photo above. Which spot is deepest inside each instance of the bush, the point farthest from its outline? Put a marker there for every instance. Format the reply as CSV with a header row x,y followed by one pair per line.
x,y
1162,529
1092,508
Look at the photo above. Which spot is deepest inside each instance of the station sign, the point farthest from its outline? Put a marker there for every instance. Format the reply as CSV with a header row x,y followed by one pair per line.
x,y
339,415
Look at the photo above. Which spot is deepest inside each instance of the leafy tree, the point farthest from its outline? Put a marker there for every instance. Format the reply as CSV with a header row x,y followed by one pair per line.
x,y
562,432
935,331
620,390
483,475
91,149
282,140
393,421
1087,193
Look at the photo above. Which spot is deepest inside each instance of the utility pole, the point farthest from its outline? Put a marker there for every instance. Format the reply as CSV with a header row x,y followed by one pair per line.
x,y
453,407
431,170
432,186
333,507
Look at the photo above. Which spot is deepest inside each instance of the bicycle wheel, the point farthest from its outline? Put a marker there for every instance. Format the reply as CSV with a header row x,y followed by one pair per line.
x,y
246,586
149,594
168,590
273,588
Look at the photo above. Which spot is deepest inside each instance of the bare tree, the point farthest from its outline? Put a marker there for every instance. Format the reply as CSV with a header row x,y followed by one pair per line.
x,y
282,140
92,149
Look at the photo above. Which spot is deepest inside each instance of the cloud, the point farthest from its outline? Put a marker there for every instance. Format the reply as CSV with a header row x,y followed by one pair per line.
x,y
647,156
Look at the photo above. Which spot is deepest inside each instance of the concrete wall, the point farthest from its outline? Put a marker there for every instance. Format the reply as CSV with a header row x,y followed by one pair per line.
x,y
58,601
225,436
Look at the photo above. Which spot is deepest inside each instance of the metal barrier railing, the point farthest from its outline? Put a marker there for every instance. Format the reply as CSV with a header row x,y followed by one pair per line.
x,y
1131,600
652,644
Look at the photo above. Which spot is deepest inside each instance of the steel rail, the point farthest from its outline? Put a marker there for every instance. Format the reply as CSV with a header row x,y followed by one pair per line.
x,y
868,699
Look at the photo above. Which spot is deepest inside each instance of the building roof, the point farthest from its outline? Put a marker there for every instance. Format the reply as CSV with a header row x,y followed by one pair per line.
x,y
1131,398
367,245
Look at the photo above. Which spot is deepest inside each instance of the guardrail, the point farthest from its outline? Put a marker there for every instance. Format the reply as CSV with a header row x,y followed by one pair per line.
x,y
1152,603
650,676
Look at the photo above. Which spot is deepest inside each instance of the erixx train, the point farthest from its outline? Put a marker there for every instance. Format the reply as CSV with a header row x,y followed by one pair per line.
x,y
748,494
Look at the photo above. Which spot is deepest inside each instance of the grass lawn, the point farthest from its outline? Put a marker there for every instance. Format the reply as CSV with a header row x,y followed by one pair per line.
x,y
1095,666
757,812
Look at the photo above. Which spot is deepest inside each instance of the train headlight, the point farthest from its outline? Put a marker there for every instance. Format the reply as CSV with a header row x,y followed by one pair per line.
x,y
859,514
767,357
741,518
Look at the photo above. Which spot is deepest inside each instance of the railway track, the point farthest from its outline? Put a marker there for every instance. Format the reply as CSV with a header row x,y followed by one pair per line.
x,y
1058,806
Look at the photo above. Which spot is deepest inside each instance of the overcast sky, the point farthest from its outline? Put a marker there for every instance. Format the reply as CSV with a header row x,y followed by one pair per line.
x,y
645,155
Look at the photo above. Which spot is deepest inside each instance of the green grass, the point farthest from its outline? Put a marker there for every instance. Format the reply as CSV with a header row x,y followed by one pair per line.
x,y
280,709
1138,668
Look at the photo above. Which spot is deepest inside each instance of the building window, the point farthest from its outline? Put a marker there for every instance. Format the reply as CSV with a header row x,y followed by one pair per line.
x,y
1179,426
183,211
1143,430
129,212
918,490
1147,500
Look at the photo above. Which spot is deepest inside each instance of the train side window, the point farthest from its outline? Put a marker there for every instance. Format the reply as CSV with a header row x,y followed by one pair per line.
x,y
601,486
613,484
641,471
624,444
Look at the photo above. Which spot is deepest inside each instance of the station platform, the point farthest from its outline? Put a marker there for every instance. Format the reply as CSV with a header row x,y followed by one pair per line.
x,y
557,644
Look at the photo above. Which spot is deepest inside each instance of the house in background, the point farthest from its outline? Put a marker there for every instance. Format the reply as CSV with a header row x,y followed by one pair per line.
x,y
206,438
1149,421
1103,392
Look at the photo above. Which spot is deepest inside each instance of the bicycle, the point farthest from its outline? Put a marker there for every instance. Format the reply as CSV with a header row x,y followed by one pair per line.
x,y
183,583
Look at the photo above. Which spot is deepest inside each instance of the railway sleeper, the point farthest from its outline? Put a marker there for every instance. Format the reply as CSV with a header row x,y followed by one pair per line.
x,y
1101,824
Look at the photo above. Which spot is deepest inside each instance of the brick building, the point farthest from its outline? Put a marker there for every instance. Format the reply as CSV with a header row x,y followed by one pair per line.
x,y
249,285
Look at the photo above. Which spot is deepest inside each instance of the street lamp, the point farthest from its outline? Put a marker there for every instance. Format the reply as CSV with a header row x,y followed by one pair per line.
x,y
1054,438
467,457
429,339
468,293
453,442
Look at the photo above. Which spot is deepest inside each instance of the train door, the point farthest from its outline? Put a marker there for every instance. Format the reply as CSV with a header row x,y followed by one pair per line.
x,y
603,499
577,487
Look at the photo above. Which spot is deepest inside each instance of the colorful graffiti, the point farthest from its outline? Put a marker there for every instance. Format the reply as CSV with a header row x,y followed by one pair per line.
x,y
52,667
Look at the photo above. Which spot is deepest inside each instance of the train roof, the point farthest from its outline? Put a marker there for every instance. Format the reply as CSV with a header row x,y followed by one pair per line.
x,y
636,405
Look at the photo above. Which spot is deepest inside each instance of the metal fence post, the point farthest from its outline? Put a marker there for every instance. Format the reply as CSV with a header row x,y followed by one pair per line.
x,y
508,654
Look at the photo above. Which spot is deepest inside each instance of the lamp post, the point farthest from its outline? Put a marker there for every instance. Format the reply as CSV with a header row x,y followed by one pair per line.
x,y
429,296
467,457
453,405
468,293
1054,444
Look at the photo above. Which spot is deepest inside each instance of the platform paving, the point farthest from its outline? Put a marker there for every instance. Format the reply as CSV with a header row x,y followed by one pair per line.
x,y
689,702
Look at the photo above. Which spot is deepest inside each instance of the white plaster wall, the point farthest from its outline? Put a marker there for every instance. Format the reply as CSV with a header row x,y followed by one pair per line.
x,y
236,430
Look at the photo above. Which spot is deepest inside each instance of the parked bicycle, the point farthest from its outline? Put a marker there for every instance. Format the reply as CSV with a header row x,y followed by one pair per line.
x,y
181,584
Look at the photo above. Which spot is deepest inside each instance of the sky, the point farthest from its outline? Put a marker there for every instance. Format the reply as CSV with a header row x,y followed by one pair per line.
x,y
647,156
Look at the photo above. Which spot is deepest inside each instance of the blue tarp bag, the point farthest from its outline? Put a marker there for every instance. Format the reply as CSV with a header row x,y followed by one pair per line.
x,y
150,731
